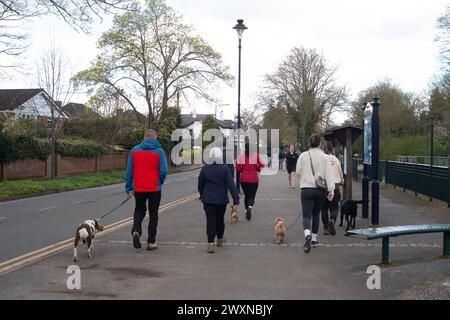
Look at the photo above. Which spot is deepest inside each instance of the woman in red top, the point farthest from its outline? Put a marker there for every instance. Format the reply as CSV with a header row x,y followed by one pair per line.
x,y
248,165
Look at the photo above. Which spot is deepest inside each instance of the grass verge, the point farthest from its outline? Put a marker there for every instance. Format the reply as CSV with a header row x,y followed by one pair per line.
x,y
15,189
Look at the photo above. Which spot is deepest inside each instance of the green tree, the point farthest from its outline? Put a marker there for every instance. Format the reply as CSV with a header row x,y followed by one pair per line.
x,y
278,117
169,121
208,123
403,118
148,48
399,112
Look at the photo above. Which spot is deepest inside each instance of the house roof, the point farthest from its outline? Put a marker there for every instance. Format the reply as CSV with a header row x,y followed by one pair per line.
x,y
188,119
74,110
10,99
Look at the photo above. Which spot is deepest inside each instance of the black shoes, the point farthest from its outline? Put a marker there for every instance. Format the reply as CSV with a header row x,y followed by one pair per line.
x,y
326,230
314,244
248,213
331,228
136,240
307,246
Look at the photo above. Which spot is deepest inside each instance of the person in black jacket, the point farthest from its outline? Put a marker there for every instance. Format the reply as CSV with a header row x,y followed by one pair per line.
x,y
291,164
214,182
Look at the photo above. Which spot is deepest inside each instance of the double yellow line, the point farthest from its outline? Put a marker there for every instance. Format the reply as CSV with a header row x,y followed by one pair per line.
x,y
55,248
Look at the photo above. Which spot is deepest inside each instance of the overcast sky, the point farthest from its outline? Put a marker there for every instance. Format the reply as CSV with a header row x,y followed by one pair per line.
x,y
368,40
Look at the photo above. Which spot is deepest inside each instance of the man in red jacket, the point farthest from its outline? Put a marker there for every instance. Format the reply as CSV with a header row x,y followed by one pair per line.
x,y
248,165
145,175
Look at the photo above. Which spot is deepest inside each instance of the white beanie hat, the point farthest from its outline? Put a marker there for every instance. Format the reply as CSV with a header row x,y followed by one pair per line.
x,y
216,154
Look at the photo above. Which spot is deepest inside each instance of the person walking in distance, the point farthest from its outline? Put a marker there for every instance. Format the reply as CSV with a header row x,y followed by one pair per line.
x,y
280,160
330,210
249,165
214,182
314,169
145,175
291,164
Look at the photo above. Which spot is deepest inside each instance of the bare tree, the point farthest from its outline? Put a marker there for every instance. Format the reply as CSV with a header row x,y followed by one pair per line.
x,y
79,14
12,42
306,85
443,38
54,76
251,118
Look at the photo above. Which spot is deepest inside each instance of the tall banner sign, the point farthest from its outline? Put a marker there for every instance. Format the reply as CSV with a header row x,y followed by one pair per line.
x,y
368,134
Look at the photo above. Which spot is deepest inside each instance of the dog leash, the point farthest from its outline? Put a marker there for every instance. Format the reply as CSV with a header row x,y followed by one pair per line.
x,y
298,218
111,211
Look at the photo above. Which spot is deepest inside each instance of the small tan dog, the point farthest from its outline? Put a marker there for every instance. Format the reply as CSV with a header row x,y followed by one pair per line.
x,y
234,214
280,230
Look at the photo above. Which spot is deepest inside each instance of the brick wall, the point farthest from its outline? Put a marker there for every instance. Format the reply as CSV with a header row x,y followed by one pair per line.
x,y
66,166
23,169
118,162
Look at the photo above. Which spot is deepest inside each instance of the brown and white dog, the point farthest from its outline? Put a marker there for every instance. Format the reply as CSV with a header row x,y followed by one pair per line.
x,y
280,230
86,233
234,214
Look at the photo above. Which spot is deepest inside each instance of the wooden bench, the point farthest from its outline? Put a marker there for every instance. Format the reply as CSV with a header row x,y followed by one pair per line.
x,y
386,232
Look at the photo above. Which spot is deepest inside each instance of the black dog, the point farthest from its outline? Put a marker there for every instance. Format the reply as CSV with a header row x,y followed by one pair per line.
x,y
349,209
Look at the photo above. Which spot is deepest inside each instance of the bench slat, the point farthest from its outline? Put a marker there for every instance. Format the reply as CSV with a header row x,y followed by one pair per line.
x,y
376,233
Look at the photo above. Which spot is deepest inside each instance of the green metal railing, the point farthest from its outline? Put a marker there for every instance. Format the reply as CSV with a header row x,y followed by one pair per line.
x,y
433,182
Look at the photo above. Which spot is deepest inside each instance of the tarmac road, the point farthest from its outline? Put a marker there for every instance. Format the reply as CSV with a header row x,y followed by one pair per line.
x,y
33,223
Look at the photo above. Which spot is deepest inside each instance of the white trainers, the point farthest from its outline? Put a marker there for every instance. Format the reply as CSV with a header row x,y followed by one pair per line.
x,y
152,246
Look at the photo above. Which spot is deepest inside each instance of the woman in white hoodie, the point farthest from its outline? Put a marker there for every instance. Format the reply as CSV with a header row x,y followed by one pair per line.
x,y
330,210
312,196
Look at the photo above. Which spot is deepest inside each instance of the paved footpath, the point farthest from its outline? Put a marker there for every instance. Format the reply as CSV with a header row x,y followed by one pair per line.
x,y
250,265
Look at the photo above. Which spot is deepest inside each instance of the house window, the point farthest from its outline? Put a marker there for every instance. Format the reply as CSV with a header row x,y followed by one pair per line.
x,y
191,133
49,123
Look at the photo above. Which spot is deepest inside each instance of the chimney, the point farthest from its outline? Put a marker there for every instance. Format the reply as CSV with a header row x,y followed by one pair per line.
x,y
194,114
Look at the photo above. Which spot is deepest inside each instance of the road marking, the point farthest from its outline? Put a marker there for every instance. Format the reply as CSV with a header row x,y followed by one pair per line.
x,y
269,244
1,218
276,199
49,208
33,256
76,202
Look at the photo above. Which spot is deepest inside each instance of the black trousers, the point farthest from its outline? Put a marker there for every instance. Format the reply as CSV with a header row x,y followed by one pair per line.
x,y
153,199
330,210
312,202
250,190
215,221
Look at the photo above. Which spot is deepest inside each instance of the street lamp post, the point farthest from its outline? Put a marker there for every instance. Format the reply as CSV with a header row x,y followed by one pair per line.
x,y
240,28
150,90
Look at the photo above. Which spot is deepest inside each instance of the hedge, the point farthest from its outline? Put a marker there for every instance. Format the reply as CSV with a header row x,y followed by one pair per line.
x,y
79,148
14,148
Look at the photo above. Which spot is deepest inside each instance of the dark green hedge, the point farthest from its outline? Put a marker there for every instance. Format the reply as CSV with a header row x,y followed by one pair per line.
x,y
23,147
79,148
